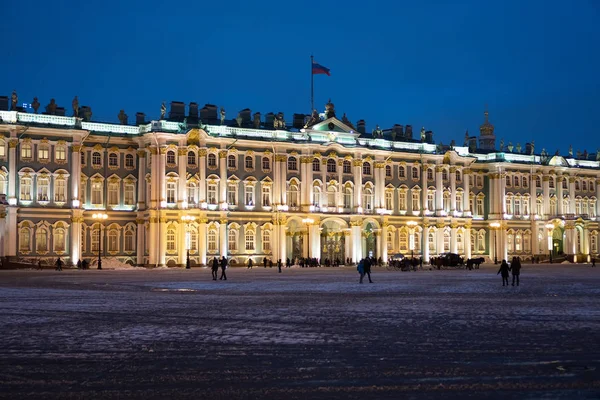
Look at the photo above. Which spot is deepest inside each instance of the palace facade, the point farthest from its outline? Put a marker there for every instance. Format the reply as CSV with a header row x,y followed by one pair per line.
x,y
260,188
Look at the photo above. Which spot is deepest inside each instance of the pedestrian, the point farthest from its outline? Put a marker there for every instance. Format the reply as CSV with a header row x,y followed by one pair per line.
x,y
270,263
59,264
214,267
79,264
288,263
279,265
265,262
249,263
361,269
504,268
516,270
593,262
40,265
367,269
223,268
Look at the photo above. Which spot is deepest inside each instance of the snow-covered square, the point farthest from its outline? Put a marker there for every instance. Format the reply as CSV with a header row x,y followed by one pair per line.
x,y
305,333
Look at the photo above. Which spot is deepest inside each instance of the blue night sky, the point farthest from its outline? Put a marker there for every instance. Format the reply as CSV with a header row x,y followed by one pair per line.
x,y
536,64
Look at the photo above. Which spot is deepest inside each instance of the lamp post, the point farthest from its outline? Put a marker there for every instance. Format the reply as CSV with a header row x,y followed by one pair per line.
x,y
100,217
550,228
496,227
186,219
411,240
308,222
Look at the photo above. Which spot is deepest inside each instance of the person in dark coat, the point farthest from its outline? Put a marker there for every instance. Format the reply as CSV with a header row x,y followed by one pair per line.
x,y
279,265
265,262
504,268
78,264
516,270
361,270
39,264
367,268
593,262
59,264
249,263
223,268
215,268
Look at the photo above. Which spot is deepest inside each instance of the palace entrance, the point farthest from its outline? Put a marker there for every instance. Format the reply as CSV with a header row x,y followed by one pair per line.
x,y
557,241
333,243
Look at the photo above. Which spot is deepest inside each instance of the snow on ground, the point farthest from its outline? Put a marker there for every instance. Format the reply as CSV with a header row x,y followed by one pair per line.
x,y
304,333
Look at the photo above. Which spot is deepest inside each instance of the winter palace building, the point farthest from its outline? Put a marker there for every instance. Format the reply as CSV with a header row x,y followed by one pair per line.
x,y
255,186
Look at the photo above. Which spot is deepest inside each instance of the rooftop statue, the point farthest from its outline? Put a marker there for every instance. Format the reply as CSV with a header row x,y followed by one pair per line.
x,y
278,121
182,126
510,147
377,133
519,148
329,110
314,119
597,154
35,105
452,144
256,121
75,105
570,150
585,155
532,147
13,101
239,119
87,114
163,110
222,115
423,134
51,107
501,144
122,117
466,139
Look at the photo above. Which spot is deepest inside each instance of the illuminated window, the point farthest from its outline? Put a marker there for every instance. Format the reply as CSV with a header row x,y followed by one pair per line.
x,y
60,153
266,240
96,159
249,240
171,240
41,239
232,240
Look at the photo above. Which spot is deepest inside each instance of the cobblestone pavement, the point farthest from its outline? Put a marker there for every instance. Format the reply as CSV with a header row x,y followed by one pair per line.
x,y
301,334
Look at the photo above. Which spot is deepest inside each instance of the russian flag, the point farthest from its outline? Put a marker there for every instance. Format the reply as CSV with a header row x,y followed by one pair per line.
x,y
319,69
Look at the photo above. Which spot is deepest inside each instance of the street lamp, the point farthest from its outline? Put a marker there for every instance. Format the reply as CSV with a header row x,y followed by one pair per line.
x,y
411,241
100,217
186,219
550,228
496,227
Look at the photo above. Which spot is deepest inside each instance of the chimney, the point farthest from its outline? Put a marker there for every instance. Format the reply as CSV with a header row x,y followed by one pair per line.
x,y
269,118
177,111
298,121
399,131
409,133
3,103
361,126
193,110
140,118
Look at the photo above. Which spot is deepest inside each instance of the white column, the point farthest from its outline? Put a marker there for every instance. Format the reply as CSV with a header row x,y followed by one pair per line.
x,y
384,253
202,182
153,246
571,196
546,195
305,184
141,247
467,240
355,239
340,167
162,256
569,245
424,191
535,245
439,239
75,238
282,244
315,240
347,245
439,190
3,232
162,174
181,242
502,198
425,243
597,198
357,166
466,189
452,190
532,199
12,231
559,195
202,240
75,179
223,180
182,201
223,237
379,184
141,188
453,244
12,171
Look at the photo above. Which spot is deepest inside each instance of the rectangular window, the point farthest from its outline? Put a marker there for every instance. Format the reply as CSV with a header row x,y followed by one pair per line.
x,y
171,192
249,240
480,206
43,153
25,189
43,186
83,192
266,196
26,151
415,201
212,241
83,158
430,201
266,240
60,153
113,194
97,188
60,191
211,194
249,195
191,194
2,150
401,172
402,201
129,241
479,181
129,194
415,173
232,194
389,204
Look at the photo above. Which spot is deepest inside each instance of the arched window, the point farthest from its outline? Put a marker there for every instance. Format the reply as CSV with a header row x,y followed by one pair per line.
x,y
43,186
316,196
583,185
212,241
460,243
59,240
390,241
250,240
171,245
266,164
368,199
316,165
458,178
577,185
403,241
95,238
446,201
388,171
96,159
292,164
401,172
538,182
170,157
26,151
129,161
129,241
551,183
293,195
525,182
431,241
231,161
481,241
444,175
516,181
193,240
429,174
41,239
508,181
212,160
113,241
113,160
331,165
249,162
348,197
232,240
266,240
24,239
446,241
366,168
510,242
331,196
191,158
347,167
518,242
25,189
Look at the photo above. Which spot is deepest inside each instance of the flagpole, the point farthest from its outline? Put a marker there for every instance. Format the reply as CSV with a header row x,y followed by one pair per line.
x,y
312,88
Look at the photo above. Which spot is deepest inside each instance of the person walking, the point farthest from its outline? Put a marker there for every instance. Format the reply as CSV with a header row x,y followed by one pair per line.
x,y
361,269
593,262
249,263
215,268
79,264
279,265
40,265
265,262
504,268
59,264
367,269
223,268
516,270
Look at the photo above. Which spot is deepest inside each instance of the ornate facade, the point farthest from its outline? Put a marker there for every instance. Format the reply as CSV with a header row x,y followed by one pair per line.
x,y
324,191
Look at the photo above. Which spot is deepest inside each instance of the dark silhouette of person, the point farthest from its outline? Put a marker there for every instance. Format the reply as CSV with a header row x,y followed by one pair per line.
x,y
288,263
40,265
367,269
59,264
78,264
593,262
223,268
504,268
279,265
215,268
265,262
516,270
270,263
249,263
